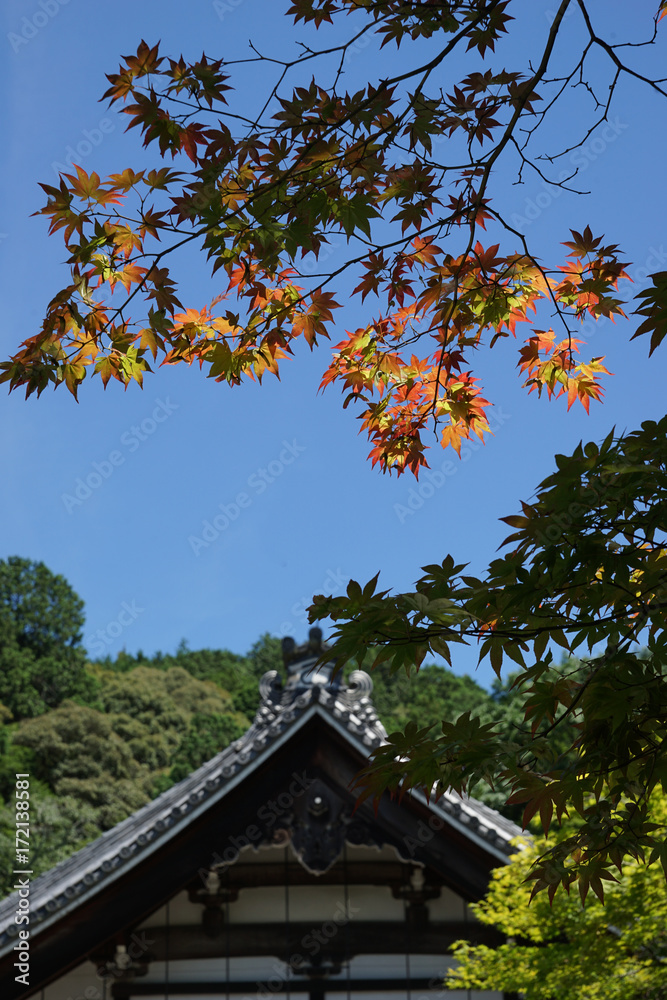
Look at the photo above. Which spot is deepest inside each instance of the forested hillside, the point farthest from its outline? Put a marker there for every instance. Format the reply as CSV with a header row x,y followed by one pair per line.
x,y
100,739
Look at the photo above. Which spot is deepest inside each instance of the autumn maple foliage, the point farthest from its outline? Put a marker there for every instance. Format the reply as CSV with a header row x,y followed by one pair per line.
x,y
403,169
259,196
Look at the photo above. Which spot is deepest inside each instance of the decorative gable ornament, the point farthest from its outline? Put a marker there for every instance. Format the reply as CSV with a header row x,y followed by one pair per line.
x,y
272,813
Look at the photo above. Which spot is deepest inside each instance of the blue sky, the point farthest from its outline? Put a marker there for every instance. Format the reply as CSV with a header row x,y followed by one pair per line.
x,y
282,464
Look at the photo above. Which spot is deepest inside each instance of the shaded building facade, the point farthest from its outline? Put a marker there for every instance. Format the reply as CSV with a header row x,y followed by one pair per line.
x,y
257,875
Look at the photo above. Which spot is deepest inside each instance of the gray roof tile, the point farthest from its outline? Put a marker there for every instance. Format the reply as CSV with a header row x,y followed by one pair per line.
x,y
347,705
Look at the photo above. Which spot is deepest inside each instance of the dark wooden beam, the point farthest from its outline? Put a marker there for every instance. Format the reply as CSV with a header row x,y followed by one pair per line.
x,y
110,915
181,943
463,865
254,876
322,987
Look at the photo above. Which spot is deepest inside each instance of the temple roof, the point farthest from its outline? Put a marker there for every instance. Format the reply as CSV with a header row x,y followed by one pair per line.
x,y
310,689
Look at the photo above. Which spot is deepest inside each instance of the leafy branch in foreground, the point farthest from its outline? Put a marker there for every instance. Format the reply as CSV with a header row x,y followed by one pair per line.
x,y
563,949
401,168
587,571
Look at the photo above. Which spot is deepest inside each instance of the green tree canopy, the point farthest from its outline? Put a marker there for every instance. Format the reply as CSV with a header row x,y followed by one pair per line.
x,y
566,950
233,672
59,826
46,614
115,754
41,658
206,737
426,697
77,752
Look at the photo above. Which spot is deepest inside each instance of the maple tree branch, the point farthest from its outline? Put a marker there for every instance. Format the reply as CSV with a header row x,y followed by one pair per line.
x,y
287,174
609,49
526,161
225,199
528,89
596,664
425,72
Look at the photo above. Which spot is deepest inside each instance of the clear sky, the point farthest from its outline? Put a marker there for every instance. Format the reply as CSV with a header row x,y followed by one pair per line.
x,y
167,460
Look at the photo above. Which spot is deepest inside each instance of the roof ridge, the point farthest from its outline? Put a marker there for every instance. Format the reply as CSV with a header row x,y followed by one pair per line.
x,y
282,704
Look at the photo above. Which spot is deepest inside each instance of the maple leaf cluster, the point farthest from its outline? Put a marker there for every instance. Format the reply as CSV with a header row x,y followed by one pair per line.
x,y
262,200
587,571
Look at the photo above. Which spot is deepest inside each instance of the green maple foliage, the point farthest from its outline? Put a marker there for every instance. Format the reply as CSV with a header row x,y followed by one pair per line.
x,y
565,949
262,197
587,570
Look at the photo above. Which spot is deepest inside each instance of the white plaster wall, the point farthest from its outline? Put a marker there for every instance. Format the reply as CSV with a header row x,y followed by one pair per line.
x,y
82,983
181,911
315,904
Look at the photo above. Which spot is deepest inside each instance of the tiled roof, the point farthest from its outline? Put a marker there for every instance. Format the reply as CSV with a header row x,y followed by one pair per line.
x,y
346,705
